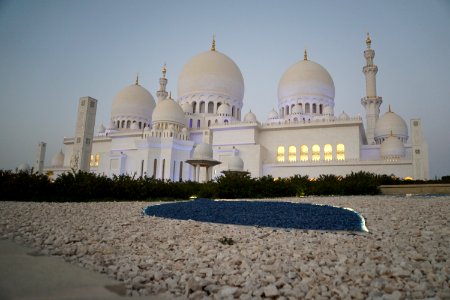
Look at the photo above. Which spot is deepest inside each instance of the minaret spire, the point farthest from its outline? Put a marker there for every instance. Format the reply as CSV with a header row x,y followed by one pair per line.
x,y
305,55
162,94
371,101
213,45
137,79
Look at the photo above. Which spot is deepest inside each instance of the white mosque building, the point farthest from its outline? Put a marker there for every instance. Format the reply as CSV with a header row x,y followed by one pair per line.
x,y
204,131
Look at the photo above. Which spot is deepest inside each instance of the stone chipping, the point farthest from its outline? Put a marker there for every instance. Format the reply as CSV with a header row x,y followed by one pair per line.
x,y
405,254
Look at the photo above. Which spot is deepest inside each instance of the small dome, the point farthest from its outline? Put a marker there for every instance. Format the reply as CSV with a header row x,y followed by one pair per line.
x,y
187,108
133,101
224,110
23,167
306,78
211,72
392,147
134,126
57,160
235,164
343,116
273,114
297,109
203,151
101,128
168,111
250,117
391,124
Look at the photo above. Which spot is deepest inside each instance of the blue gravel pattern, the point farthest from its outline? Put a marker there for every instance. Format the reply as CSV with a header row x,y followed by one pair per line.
x,y
261,213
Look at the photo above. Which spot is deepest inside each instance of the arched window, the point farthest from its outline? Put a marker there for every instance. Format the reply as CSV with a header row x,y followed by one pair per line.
x,y
155,164
307,108
123,124
320,109
340,152
287,110
304,155
194,107
314,108
202,107
315,153
280,154
226,121
190,123
209,123
210,107
128,124
292,154
140,125
232,111
218,105
328,152
198,123
118,124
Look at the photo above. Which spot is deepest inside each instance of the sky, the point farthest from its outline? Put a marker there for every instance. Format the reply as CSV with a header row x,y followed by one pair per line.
x,y
53,52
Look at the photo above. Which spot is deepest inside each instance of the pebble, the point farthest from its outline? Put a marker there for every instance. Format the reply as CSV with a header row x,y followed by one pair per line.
x,y
404,255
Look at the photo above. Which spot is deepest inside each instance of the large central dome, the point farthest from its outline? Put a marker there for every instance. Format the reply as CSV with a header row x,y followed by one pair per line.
x,y
306,78
211,73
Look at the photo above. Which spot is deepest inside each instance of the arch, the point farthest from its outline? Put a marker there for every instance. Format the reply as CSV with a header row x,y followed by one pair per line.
x,y
328,152
202,107
209,123
292,156
314,108
321,109
194,107
226,121
340,152
198,123
155,165
216,121
218,105
232,111
315,153
190,123
280,154
123,124
304,153
118,124
287,110
140,125
128,124
307,108
210,107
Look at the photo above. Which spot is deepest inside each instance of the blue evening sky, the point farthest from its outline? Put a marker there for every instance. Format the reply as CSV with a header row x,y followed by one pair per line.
x,y
53,52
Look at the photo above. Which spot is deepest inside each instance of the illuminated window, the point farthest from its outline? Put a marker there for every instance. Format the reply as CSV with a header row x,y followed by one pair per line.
x,y
315,152
304,153
340,152
328,152
292,154
280,154
95,160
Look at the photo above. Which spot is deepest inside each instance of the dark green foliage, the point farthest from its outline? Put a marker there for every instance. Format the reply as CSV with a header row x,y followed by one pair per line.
x,y
445,179
226,241
84,186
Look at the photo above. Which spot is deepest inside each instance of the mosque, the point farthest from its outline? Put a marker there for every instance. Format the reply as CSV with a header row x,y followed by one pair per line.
x,y
202,133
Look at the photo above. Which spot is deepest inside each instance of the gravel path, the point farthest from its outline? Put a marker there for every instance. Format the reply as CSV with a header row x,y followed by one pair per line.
x,y
406,254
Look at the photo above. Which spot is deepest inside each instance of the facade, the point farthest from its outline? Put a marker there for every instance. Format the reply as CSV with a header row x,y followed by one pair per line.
x,y
203,133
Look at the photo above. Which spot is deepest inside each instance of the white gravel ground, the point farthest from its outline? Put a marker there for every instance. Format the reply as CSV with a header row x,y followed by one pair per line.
x,y
405,255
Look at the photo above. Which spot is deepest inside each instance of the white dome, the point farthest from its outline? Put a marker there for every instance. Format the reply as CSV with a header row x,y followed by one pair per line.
x,y
57,160
306,78
168,111
101,128
273,114
297,109
392,147
187,108
250,117
391,124
343,116
224,110
203,151
235,164
134,102
23,167
211,72
134,126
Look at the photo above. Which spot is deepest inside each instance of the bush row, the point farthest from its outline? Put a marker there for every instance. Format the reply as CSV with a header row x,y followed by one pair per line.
x,y
84,186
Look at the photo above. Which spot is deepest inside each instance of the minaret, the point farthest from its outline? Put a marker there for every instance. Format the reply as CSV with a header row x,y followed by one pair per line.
x,y
84,134
40,157
162,94
371,102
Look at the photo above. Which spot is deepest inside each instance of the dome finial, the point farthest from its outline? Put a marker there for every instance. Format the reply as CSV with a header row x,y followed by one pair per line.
x,y
170,95
368,41
164,70
137,79
305,55
390,108
213,46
